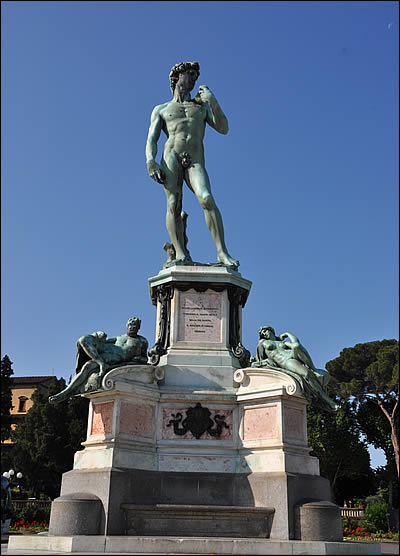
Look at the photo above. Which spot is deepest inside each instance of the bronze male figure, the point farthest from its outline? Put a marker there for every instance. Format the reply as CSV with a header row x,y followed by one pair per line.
x,y
184,120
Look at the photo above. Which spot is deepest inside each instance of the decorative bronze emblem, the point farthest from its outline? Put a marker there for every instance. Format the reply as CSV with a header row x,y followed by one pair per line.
x,y
198,421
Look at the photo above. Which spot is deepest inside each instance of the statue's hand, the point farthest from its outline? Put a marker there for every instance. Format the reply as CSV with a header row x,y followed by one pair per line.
x,y
155,172
103,368
204,94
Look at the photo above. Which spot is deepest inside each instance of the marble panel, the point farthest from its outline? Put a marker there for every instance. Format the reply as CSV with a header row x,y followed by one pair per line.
x,y
294,423
260,423
196,464
102,418
136,419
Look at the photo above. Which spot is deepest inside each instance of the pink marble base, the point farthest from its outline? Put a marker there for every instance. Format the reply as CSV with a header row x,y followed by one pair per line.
x,y
260,423
136,419
102,418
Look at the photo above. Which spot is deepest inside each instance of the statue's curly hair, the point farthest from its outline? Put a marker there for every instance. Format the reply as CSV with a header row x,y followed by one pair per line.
x,y
181,68
132,320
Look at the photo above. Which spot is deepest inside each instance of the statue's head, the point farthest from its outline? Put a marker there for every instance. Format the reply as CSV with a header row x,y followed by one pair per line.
x,y
267,332
133,325
192,71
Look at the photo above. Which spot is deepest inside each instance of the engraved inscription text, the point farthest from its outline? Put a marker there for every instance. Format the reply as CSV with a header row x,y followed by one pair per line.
x,y
200,317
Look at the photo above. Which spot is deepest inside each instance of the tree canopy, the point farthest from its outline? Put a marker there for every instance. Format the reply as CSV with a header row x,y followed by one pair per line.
x,y
6,397
343,457
47,439
369,374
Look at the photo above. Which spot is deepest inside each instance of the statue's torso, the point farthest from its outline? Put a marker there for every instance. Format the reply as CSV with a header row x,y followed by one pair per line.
x,y
278,351
184,123
130,347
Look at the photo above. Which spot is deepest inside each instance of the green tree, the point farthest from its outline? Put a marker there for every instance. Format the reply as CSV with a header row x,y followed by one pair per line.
x,y
47,438
369,372
344,458
6,397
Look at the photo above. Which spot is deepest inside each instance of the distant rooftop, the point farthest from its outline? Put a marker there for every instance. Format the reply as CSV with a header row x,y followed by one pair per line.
x,y
30,379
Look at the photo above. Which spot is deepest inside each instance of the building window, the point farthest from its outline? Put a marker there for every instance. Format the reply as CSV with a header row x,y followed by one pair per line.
x,y
22,404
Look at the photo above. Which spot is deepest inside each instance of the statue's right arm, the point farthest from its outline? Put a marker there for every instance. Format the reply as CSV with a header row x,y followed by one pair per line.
x,y
153,168
293,339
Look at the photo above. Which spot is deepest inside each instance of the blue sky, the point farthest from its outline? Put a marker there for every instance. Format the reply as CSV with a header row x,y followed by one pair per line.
x,y
306,180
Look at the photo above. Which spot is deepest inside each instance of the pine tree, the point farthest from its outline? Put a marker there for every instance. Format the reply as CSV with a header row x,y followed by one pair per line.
x,y
369,374
6,397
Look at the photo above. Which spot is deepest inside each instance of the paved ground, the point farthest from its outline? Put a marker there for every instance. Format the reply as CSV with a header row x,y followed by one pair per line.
x,y
387,548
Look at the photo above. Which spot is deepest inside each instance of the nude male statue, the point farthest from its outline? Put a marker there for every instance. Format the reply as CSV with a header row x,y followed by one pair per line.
x,y
96,354
183,120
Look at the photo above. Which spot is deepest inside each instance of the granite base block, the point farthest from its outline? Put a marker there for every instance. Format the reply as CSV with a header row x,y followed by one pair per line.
x,y
77,513
189,520
185,545
315,521
115,487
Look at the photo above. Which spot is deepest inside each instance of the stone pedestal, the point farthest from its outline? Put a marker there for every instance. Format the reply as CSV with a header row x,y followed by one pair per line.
x,y
159,445
199,319
197,433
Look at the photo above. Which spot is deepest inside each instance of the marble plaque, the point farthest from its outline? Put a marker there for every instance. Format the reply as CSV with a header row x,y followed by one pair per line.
x,y
200,317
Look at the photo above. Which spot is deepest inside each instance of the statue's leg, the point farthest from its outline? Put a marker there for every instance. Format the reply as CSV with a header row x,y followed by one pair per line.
x,y
77,384
322,376
197,179
297,367
173,191
311,379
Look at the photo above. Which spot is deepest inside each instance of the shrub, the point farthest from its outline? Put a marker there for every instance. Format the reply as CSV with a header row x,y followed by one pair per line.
x,y
368,526
350,522
31,512
393,536
375,499
376,515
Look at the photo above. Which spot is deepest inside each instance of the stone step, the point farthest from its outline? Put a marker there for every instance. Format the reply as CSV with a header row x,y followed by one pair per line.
x,y
180,545
193,520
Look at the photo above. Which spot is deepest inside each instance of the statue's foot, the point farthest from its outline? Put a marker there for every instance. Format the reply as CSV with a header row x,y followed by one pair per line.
x,y
181,261
228,261
185,259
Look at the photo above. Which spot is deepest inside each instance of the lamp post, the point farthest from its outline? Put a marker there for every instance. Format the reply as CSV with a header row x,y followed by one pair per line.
x,y
9,478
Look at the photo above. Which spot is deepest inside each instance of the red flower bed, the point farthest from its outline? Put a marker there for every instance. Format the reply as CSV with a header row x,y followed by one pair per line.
x,y
362,533
359,532
34,527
